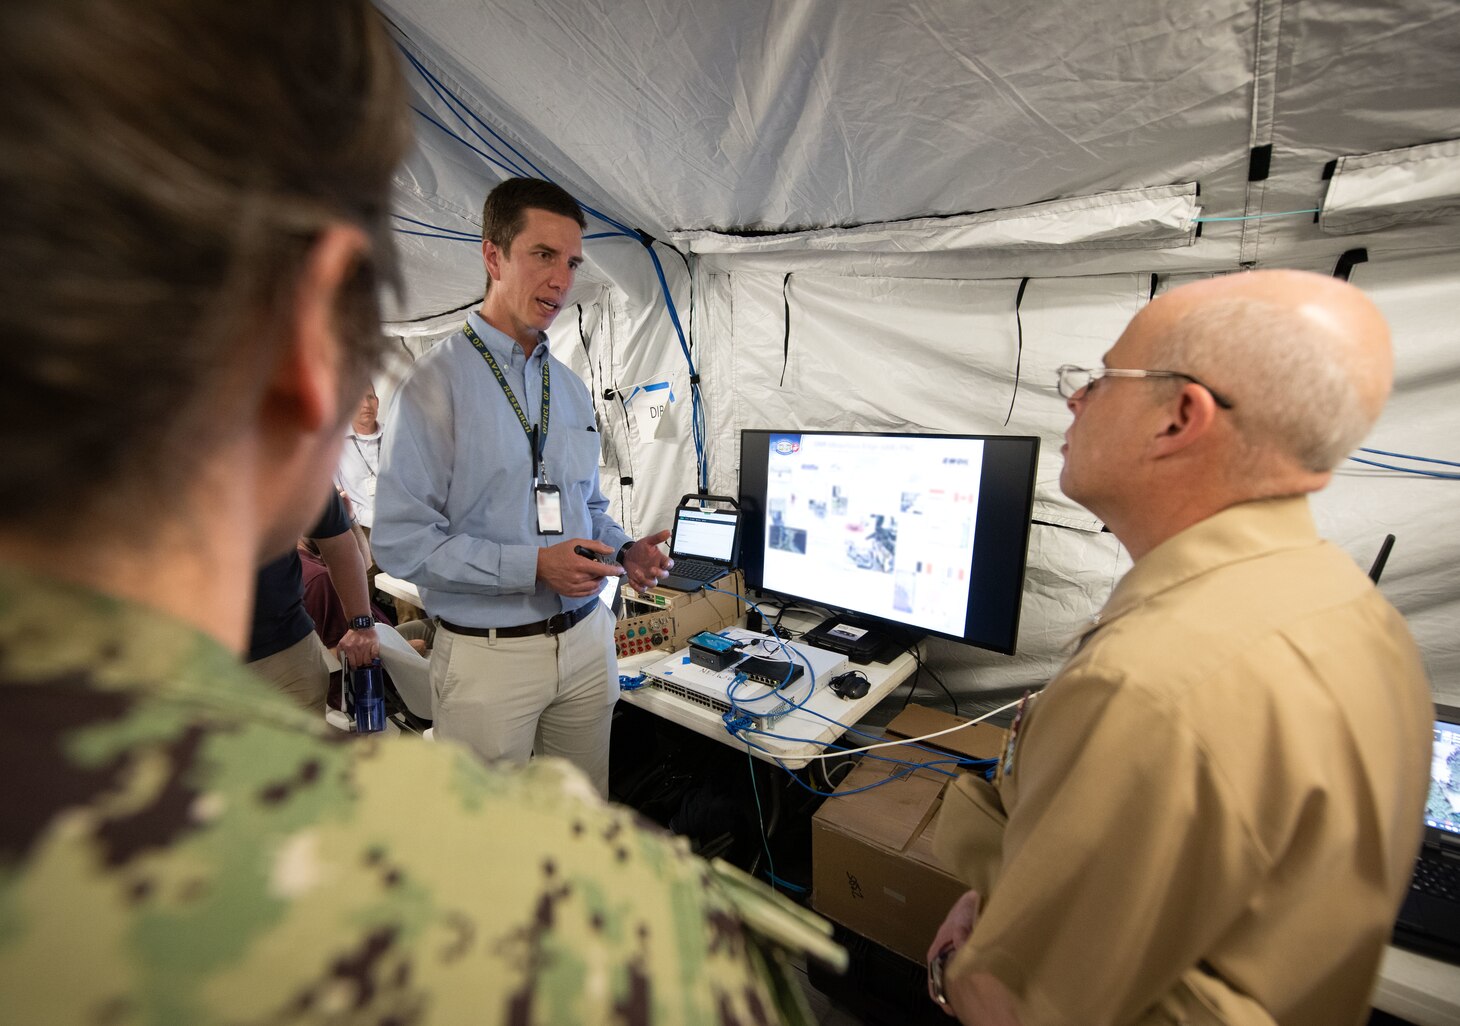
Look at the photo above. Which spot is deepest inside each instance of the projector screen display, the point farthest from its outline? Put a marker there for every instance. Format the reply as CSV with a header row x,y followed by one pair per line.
x,y
924,531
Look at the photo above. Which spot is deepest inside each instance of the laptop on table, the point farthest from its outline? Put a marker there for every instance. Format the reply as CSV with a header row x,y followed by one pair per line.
x,y
1429,919
704,546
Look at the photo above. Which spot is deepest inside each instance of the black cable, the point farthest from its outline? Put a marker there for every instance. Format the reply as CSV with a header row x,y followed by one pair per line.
x,y
458,309
1019,356
939,681
791,608
628,453
786,340
587,355
936,680
917,675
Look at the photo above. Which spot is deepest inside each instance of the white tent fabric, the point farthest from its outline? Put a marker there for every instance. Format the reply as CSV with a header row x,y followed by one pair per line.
x,y
909,164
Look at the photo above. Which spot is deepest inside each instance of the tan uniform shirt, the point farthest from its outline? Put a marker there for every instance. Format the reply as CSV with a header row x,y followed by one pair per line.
x,y
1213,810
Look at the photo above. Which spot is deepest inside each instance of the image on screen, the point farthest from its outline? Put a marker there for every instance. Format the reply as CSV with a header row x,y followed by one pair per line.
x,y
924,532
1442,810
705,533
884,524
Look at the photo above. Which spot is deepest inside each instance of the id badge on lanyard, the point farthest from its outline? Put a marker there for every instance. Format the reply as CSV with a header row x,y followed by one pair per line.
x,y
547,499
546,496
549,508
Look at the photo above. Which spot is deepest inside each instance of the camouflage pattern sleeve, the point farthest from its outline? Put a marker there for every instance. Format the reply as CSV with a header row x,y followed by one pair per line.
x,y
187,848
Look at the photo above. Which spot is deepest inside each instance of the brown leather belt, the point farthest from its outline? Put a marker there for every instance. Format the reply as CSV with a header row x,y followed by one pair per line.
x,y
555,624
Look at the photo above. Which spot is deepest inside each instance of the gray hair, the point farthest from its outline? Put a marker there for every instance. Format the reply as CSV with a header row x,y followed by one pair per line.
x,y
1293,384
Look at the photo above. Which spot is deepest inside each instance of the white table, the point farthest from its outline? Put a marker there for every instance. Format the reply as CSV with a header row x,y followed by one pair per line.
x,y
397,588
1421,990
815,732
884,677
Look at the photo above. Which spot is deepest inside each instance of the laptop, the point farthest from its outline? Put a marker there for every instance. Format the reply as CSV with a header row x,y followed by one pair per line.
x,y
1429,919
703,547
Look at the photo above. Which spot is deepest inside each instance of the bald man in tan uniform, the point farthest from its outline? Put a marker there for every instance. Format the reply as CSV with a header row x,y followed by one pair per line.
x,y
1211,814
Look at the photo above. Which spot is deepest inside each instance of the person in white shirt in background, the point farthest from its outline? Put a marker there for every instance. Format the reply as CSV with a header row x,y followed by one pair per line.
x,y
360,460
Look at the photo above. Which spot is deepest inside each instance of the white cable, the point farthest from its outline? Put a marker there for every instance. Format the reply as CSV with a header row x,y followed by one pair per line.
x,y
912,740
628,388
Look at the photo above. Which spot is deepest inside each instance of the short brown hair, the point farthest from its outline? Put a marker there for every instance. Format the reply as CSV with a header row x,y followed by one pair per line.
x,y
165,168
505,210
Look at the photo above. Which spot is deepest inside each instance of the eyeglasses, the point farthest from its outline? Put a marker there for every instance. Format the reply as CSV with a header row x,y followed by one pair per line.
x,y
1074,380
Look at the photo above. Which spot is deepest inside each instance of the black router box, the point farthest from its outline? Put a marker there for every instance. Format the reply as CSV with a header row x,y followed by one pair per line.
x,y
860,640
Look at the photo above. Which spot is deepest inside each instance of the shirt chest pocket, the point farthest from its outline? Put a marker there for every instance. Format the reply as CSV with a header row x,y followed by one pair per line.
x,y
578,456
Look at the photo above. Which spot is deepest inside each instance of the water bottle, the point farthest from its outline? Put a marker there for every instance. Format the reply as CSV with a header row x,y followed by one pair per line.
x,y
368,690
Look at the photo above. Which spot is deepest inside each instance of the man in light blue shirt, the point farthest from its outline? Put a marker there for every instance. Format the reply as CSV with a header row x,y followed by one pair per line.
x,y
488,483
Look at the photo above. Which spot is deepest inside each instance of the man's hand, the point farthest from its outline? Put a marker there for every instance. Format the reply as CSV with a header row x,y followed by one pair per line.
x,y
976,998
646,563
567,573
956,928
360,647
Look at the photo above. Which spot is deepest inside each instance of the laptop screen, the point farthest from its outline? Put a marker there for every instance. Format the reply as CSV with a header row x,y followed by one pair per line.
x,y
1442,809
704,534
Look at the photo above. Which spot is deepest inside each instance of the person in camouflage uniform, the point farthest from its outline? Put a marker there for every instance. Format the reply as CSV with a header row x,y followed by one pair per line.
x,y
190,197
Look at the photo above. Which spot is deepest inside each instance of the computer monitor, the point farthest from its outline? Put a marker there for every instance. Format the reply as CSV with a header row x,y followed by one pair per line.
x,y
918,531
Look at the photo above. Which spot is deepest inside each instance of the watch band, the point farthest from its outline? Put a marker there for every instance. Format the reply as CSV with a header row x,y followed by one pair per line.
x,y
937,976
362,623
622,550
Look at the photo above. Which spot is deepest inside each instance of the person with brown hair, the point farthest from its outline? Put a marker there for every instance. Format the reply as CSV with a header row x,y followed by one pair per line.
x,y
191,207
488,492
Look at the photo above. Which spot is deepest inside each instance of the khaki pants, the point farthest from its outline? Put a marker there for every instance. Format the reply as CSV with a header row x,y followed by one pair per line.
x,y
300,671
508,698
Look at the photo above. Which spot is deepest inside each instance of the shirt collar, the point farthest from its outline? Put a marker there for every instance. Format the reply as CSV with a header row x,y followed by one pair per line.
x,y
504,347
1241,532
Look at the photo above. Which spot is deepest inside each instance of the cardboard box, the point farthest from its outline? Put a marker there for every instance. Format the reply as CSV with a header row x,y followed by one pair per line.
x,y
873,868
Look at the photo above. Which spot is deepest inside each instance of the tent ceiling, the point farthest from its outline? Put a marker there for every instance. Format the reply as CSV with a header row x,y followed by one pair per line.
x,y
792,115
675,115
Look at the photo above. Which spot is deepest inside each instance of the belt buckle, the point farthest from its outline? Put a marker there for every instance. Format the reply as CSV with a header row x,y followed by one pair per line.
x,y
557,623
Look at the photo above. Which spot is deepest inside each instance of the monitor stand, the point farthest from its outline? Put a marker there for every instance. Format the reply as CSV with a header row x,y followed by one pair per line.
x,y
859,639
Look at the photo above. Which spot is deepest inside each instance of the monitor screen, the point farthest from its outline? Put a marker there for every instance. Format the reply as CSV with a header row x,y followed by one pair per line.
x,y
929,532
1442,809
704,533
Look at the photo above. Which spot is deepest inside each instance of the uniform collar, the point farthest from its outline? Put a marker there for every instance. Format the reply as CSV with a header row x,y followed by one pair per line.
x,y
1238,533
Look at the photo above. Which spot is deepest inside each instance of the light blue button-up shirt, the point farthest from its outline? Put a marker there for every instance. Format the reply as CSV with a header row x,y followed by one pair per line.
x,y
454,507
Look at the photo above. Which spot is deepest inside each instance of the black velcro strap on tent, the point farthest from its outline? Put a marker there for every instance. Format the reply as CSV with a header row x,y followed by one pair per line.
x,y
786,340
1259,163
1019,356
1155,279
1347,261
625,481
1328,172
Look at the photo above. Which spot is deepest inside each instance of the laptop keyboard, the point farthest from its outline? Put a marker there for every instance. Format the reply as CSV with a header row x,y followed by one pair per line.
x,y
694,571
1439,877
